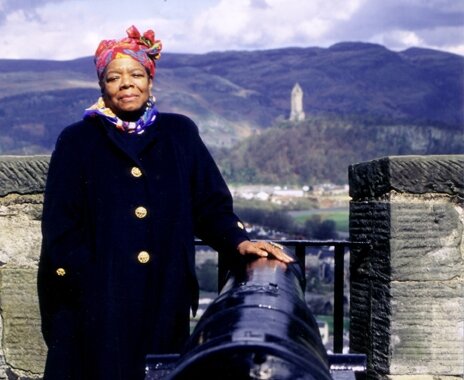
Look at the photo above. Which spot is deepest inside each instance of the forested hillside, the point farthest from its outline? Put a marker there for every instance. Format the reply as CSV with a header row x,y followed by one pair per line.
x,y
320,149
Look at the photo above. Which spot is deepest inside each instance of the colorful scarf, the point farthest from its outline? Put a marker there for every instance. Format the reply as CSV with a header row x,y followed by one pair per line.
x,y
144,49
138,127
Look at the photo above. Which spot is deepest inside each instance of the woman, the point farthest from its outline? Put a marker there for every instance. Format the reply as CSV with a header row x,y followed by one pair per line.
x,y
128,188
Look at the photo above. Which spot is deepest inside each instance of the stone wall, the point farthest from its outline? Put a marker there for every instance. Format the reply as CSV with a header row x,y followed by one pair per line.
x,y
407,288
22,350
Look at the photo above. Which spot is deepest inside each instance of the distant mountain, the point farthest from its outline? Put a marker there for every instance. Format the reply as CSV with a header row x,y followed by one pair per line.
x,y
235,96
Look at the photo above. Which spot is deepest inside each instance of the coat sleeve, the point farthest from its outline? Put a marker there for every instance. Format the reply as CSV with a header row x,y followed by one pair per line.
x,y
214,219
65,253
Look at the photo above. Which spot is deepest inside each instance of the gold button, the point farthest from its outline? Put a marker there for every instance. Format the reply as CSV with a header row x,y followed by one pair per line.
x,y
136,172
60,272
141,212
143,257
240,225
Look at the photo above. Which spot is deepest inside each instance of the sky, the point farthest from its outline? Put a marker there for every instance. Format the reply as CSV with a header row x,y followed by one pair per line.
x,y
69,29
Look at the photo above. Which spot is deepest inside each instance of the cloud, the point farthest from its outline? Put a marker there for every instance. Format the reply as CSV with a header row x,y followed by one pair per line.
x,y
63,29
66,29
399,24
266,24
259,4
51,33
27,7
414,14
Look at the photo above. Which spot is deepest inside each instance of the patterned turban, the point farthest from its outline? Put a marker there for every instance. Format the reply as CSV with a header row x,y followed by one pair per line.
x,y
144,49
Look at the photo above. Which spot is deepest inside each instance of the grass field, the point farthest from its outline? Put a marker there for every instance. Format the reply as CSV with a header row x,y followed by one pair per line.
x,y
338,215
329,320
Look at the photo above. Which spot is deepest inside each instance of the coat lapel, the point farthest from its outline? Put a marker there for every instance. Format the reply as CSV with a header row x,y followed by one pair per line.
x,y
148,139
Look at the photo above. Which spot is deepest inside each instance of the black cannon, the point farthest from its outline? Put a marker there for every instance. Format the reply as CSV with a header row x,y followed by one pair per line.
x,y
259,327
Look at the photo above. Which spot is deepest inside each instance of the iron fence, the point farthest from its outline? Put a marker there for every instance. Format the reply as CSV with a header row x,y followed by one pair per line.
x,y
340,248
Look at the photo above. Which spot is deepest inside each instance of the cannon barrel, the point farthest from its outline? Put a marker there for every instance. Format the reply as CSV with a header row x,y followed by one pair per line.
x,y
259,327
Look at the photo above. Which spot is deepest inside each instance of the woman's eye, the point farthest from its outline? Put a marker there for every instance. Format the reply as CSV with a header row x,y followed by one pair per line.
x,y
111,79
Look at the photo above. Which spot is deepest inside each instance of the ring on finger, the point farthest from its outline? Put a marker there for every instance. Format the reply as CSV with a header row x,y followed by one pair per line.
x,y
276,245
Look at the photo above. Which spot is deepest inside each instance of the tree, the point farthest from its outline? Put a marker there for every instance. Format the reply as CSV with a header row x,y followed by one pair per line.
x,y
208,276
316,228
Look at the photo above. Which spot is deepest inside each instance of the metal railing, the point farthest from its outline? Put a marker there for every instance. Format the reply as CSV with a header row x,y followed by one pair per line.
x,y
341,247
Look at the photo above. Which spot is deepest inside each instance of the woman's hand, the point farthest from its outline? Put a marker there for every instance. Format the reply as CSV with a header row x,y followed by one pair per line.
x,y
264,249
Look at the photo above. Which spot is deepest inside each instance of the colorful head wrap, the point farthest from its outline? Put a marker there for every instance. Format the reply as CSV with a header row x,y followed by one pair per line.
x,y
144,49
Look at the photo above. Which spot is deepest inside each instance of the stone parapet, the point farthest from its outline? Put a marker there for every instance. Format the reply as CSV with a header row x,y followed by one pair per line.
x,y
22,182
407,290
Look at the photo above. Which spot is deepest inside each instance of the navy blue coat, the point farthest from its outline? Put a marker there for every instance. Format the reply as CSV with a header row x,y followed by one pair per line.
x,y
117,270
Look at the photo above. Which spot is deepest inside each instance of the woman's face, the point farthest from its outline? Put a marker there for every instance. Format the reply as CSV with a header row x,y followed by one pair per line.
x,y
125,86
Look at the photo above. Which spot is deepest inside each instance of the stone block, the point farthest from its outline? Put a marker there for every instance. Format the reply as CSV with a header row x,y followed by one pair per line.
x,y
427,325
20,232
407,289
23,174
22,350
23,347
425,239
407,174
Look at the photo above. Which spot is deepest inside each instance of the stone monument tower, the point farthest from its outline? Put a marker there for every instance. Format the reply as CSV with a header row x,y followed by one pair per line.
x,y
297,113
